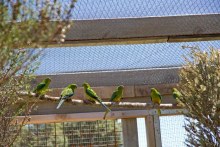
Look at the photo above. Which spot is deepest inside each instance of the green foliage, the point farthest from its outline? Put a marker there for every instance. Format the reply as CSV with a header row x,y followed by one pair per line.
x,y
200,87
25,26
11,104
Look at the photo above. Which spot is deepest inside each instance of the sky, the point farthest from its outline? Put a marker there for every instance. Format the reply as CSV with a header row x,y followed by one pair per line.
x,y
141,56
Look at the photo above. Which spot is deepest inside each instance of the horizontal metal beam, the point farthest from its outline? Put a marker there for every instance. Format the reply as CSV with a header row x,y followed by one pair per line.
x,y
91,116
143,30
114,78
49,107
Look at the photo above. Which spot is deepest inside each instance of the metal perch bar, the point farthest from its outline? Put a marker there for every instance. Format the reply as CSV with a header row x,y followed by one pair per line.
x,y
117,105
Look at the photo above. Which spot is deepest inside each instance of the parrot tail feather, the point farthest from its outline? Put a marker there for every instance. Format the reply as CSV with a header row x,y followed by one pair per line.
x,y
158,111
60,103
105,106
106,112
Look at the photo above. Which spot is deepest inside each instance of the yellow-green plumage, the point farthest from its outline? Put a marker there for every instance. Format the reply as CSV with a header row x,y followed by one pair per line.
x,y
117,94
66,94
92,96
176,96
42,87
176,93
156,98
116,97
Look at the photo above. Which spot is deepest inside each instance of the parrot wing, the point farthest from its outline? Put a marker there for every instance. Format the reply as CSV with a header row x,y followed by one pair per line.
x,y
91,93
159,95
114,95
175,95
156,97
39,87
66,93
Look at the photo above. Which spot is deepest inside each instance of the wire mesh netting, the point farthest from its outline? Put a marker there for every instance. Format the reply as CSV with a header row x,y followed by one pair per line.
x,y
116,57
172,129
72,134
127,57
106,133
101,9
96,9
142,137
114,9
113,58
173,133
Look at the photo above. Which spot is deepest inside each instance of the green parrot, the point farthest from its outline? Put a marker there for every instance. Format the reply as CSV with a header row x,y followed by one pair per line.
x,y
42,88
177,95
116,97
92,96
117,94
155,98
66,94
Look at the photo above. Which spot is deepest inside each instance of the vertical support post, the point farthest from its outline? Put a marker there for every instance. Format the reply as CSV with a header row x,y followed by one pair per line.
x,y
130,132
149,123
37,136
153,131
64,137
157,131
55,131
115,140
46,134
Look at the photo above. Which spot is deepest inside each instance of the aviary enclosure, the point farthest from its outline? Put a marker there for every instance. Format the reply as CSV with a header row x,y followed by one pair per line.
x,y
138,44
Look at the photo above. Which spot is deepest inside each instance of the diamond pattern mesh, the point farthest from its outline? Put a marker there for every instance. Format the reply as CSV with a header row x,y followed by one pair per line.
x,y
116,57
72,134
96,9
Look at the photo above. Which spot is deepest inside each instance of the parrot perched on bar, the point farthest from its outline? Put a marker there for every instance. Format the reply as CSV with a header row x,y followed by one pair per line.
x,y
176,96
117,94
92,96
42,87
116,97
155,98
66,94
